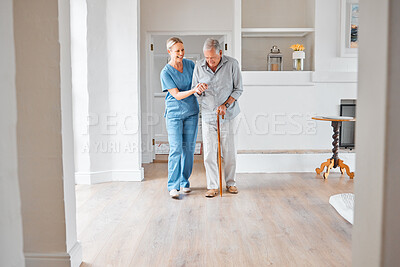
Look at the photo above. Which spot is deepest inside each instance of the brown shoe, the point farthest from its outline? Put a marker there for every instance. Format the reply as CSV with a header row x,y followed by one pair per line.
x,y
232,189
212,193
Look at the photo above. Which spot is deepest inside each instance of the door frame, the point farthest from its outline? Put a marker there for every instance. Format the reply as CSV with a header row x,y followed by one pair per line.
x,y
149,156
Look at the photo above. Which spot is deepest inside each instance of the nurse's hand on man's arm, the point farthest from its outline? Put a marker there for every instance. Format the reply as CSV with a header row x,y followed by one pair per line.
x,y
200,88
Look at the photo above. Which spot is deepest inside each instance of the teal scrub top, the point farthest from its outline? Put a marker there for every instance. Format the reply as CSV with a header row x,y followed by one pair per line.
x,y
172,78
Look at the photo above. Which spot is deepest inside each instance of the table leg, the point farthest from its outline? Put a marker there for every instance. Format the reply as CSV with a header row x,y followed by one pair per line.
x,y
328,169
345,167
323,165
335,150
334,161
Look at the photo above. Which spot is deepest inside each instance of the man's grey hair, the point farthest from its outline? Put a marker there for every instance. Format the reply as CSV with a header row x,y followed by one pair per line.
x,y
211,43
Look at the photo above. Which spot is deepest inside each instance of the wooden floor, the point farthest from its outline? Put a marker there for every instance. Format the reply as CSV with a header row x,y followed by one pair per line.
x,y
276,219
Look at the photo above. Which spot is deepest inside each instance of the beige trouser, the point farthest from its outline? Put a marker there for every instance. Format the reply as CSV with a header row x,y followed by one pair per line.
x,y
228,147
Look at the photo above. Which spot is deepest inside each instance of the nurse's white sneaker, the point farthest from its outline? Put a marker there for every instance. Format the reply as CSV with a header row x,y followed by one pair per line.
x,y
174,193
186,190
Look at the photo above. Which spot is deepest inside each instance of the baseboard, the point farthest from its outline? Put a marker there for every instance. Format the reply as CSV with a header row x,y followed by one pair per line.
x,y
93,177
109,176
128,176
71,259
47,260
273,163
147,157
76,255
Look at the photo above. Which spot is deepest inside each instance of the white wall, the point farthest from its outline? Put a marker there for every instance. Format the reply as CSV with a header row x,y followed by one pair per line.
x,y
74,248
39,137
327,30
255,51
80,94
269,100
279,117
182,15
193,44
44,133
98,87
277,14
11,241
376,234
105,58
277,107
391,226
274,100
123,70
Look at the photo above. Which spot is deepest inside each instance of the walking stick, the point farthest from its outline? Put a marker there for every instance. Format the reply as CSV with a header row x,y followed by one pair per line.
x,y
219,155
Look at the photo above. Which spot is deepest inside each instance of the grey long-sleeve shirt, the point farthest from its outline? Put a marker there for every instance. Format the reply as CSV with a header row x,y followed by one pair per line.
x,y
226,81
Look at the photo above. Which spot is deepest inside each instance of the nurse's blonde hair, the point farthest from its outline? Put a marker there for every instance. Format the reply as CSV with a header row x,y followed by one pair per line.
x,y
173,40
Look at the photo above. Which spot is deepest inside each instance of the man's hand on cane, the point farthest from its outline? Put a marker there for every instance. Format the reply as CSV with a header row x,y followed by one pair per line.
x,y
221,110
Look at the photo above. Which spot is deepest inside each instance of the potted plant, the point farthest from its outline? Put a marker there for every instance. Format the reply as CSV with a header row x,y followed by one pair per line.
x,y
298,56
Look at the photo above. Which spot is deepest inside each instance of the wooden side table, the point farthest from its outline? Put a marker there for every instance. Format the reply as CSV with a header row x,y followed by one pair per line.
x,y
334,161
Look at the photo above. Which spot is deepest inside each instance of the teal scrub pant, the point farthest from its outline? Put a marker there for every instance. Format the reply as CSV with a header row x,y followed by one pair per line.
x,y
182,135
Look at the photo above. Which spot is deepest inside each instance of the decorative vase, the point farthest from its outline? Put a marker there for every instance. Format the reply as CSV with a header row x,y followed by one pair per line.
x,y
298,60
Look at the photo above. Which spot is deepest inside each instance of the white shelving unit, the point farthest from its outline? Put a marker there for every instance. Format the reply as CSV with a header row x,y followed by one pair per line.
x,y
276,32
269,22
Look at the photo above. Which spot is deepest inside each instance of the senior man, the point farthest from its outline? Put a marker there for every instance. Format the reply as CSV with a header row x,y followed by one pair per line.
x,y
221,77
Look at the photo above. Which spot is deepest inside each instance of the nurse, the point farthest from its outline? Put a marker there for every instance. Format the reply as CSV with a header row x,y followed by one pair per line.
x,y
181,115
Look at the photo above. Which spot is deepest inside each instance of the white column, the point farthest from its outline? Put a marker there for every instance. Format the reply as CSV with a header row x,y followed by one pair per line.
x,y
11,241
376,235
44,134
124,93
106,90
79,62
237,31
98,91
74,248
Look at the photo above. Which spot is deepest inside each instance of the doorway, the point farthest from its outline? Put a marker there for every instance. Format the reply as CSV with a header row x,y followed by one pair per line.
x,y
157,58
